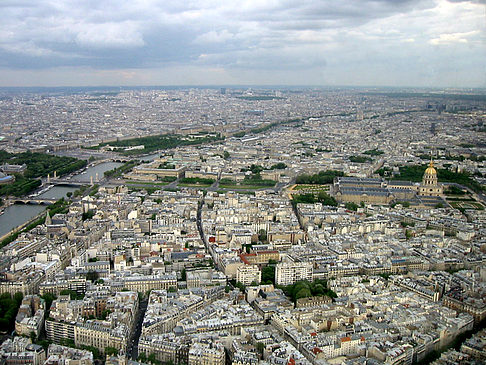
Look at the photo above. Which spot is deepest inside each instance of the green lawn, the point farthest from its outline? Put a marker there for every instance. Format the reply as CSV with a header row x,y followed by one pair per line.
x,y
160,142
200,185
466,205
311,187
242,187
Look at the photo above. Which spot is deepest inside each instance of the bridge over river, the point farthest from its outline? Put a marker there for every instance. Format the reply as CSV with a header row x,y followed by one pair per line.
x,y
27,200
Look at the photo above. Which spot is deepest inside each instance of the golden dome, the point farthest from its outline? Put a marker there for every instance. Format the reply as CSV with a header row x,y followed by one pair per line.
x,y
431,170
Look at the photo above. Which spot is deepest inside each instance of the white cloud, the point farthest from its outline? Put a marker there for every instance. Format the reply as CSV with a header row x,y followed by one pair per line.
x,y
450,38
214,37
109,35
352,40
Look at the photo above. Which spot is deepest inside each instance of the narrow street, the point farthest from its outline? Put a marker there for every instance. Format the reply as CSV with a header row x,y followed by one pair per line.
x,y
201,232
132,347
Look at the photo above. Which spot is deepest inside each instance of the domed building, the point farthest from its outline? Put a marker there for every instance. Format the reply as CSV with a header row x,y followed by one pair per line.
x,y
430,185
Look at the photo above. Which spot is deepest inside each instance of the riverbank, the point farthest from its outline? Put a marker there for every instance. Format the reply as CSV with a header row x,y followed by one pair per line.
x,y
21,215
19,228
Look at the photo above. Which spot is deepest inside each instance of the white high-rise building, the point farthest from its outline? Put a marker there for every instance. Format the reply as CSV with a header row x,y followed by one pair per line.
x,y
246,274
287,273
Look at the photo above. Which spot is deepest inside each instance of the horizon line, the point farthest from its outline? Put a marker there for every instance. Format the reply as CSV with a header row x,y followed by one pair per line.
x,y
235,86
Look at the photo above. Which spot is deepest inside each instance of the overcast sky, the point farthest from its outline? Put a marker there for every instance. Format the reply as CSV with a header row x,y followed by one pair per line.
x,y
256,42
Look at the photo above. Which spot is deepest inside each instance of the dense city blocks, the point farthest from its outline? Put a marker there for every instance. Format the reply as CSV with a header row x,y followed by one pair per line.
x,y
250,226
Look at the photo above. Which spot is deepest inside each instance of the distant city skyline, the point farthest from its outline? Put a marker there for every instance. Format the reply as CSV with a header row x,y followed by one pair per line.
x,y
431,43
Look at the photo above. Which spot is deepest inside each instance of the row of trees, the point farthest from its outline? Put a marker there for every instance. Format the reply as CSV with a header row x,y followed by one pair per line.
x,y
58,207
196,180
256,179
9,307
304,289
41,164
21,186
321,178
309,198
120,170
267,127
360,159
161,142
256,169
373,152
38,165
251,180
143,358
300,289
416,172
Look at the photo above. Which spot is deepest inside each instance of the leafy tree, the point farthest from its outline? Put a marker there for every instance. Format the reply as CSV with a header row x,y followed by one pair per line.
x,y
304,289
151,358
142,357
104,314
326,199
360,159
87,215
196,181
94,350
67,342
161,142
307,198
278,166
120,170
44,343
303,293
268,274
240,286
256,169
321,178
72,294
374,152
38,165
111,351
48,298
351,206
92,276
454,190
9,307
260,347
262,235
